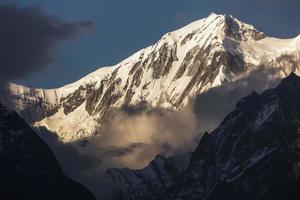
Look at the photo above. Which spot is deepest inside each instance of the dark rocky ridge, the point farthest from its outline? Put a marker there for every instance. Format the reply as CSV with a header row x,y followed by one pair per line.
x,y
28,167
254,153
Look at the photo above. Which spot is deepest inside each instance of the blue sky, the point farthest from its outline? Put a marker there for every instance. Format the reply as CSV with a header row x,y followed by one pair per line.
x,y
122,27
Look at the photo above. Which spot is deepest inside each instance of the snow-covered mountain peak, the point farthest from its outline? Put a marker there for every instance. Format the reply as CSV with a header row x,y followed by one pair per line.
x,y
182,64
220,26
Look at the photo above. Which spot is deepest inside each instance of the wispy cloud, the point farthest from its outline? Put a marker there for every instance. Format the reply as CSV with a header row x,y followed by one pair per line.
x,y
28,38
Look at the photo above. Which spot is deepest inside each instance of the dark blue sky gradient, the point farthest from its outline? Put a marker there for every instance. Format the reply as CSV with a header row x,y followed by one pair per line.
x,y
122,27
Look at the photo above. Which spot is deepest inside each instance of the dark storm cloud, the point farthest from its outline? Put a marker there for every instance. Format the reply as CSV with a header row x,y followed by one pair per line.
x,y
28,38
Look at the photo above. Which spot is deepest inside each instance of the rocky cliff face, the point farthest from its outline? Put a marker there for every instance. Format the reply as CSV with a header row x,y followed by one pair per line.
x,y
28,167
253,154
182,64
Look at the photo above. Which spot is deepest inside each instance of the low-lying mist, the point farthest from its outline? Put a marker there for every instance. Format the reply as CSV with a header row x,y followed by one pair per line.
x,y
132,140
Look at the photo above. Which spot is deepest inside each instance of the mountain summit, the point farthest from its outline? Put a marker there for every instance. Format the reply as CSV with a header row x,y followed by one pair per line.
x,y
182,64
